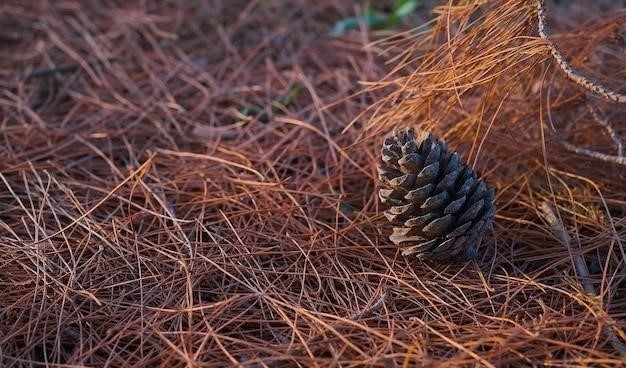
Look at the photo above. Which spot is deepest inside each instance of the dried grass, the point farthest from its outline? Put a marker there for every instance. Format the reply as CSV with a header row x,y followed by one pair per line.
x,y
144,221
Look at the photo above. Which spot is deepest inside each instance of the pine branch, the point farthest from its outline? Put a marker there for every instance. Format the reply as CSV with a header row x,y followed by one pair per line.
x,y
567,67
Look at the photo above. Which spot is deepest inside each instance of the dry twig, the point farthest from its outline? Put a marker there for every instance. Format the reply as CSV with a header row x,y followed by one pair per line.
x,y
609,128
581,267
565,65
620,160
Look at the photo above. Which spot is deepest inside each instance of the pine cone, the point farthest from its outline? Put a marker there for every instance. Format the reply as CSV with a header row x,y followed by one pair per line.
x,y
441,207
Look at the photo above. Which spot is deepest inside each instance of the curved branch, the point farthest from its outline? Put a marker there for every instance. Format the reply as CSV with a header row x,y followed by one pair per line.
x,y
567,68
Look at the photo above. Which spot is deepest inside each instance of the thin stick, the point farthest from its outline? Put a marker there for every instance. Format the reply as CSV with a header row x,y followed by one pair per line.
x,y
565,65
561,233
581,267
594,154
609,128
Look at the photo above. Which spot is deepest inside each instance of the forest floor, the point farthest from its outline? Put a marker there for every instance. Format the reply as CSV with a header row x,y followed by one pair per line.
x,y
194,184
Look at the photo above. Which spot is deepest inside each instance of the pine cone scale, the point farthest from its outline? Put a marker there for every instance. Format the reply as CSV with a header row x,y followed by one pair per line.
x,y
438,227
429,172
460,230
419,221
411,162
472,211
420,194
435,201
455,206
